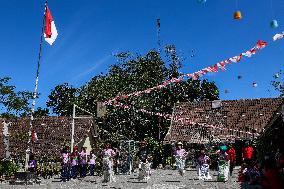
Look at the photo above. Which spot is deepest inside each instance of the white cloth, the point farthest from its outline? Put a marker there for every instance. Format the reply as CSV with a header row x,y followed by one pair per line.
x,y
278,36
203,172
223,171
108,169
180,163
144,171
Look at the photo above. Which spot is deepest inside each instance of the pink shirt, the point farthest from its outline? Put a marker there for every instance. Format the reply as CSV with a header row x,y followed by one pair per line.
x,y
108,152
180,152
83,157
203,159
65,157
93,160
74,162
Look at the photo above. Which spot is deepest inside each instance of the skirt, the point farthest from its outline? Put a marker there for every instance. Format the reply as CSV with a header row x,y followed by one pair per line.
x,y
223,171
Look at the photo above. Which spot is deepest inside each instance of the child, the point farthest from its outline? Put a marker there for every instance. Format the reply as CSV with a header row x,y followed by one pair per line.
x,y
108,155
180,155
83,162
203,162
92,162
223,164
144,165
65,164
32,167
74,164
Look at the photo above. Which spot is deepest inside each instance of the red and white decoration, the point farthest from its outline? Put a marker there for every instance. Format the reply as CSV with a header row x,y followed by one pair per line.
x,y
50,31
34,136
278,36
214,68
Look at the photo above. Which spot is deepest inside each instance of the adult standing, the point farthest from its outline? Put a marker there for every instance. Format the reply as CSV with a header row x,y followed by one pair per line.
x,y
108,154
247,153
180,156
231,157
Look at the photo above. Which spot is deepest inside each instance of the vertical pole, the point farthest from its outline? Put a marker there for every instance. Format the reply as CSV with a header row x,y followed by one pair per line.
x,y
73,127
35,91
158,34
95,127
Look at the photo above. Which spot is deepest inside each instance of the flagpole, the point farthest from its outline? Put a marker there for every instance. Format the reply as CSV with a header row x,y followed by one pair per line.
x,y
158,35
35,90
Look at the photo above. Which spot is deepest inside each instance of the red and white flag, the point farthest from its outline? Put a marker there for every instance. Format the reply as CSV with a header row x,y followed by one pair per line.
x,y
34,136
50,32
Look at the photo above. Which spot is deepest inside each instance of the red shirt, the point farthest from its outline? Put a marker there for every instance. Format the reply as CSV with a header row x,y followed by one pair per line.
x,y
247,152
231,155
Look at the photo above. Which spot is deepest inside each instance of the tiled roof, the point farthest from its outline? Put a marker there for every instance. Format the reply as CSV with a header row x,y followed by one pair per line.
x,y
52,132
201,122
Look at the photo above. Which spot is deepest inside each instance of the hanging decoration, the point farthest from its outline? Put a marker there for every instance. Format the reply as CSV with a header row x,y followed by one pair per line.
x,y
34,136
201,1
121,105
192,54
237,15
278,36
187,121
180,118
274,24
254,84
196,75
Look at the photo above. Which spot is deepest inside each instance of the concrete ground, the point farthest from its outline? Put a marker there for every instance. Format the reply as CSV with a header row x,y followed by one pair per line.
x,y
160,179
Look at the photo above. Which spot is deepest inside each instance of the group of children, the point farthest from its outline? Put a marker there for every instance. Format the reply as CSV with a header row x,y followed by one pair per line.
x,y
226,162
76,163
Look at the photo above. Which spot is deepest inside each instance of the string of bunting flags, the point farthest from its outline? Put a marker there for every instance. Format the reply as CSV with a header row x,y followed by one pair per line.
x,y
121,105
196,75
278,36
179,118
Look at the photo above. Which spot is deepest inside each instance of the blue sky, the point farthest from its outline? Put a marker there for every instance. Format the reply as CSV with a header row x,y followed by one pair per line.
x,y
91,31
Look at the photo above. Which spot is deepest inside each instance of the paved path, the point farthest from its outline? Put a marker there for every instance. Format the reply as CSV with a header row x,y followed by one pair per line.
x,y
161,179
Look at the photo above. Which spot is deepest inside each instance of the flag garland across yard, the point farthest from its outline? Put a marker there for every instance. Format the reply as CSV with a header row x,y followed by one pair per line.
x,y
214,68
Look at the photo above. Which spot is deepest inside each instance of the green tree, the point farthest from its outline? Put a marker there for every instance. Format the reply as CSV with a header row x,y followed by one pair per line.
x,y
62,98
134,73
40,112
12,102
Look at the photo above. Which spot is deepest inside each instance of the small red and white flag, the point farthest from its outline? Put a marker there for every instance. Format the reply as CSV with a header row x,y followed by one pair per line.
x,y
50,32
34,136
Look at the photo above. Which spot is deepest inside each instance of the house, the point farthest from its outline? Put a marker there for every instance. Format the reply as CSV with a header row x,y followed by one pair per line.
x,y
52,133
215,121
